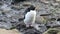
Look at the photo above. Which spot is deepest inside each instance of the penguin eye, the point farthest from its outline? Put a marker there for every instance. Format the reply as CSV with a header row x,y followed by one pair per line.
x,y
58,19
39,26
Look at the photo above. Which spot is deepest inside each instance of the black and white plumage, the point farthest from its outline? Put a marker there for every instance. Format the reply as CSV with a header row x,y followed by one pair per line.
x,y
29,8
30,16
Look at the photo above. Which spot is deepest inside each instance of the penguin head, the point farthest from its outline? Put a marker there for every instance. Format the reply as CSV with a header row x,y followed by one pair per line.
x,y
29,8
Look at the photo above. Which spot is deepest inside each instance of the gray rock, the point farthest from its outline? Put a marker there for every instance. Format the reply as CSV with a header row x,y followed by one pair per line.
x,y
5,25
13,17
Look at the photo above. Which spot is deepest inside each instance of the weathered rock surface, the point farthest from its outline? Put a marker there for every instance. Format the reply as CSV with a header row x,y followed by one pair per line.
x,y
52,31
48,14
14,31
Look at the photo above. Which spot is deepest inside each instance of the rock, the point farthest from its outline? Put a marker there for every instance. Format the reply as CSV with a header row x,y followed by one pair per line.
x,y
27,4
14,31
55,4
32,31
45,14
52,31
7,1
58,0
5,7
53,24
15,7
21,26
44,1
17,1
41,19
40,27
1,3
5,25
58,33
